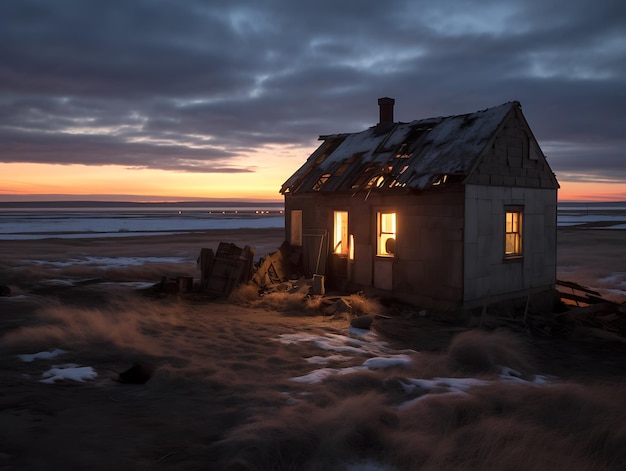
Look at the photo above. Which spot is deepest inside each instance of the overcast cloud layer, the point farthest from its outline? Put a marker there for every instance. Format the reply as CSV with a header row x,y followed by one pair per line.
x,y
197,85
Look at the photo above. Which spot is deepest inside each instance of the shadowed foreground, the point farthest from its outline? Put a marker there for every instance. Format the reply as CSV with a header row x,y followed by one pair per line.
x,y
235,387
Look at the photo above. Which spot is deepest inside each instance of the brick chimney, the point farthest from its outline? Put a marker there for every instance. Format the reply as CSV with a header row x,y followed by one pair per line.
x,y
386,109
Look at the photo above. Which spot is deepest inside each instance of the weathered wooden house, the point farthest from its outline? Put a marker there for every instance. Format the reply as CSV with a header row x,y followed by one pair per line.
x,y
451,211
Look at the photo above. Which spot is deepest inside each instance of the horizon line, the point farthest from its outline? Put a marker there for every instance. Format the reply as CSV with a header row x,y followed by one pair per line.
x,y
116,198
141,199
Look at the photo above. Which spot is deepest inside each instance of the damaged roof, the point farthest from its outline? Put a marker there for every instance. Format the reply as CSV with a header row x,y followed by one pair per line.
x,y
413,155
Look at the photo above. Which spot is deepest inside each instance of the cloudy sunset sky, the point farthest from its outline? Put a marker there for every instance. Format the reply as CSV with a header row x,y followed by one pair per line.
x,y
191,99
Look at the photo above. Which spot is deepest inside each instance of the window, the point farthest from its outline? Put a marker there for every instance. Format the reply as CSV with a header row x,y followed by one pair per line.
x,y
386,234
513,235
340,233
296,227
351,254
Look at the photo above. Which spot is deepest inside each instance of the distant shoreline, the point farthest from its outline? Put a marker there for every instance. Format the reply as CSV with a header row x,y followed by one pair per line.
x,y
87,203
133,204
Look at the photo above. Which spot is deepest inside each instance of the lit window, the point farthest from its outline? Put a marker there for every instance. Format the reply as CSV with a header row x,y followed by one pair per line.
x,y
386,234
351,254
340,233
296,227
513,237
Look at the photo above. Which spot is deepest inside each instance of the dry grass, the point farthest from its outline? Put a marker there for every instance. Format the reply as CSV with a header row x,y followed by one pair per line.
x,y
249,295
212,362
504,427
246,294
362,305
222,397
477,352
283,301
299,301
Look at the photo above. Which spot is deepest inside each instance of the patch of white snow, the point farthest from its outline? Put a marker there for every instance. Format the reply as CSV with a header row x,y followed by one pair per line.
x,y
70,372
379,363
41,355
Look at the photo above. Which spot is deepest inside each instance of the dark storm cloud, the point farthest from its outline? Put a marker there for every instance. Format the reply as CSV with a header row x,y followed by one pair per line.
x,y
198,85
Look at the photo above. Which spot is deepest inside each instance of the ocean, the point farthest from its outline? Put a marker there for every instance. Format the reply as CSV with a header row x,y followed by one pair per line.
x,y
609,215
30,221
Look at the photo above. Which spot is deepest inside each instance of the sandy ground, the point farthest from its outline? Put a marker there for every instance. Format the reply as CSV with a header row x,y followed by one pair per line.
x,y
240,387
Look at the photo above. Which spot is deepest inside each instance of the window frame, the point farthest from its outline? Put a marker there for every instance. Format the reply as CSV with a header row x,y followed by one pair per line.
x,y
341,237
384,233
513,229
295,234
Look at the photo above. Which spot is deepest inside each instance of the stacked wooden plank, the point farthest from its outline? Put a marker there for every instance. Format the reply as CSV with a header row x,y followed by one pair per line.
x,y
225,269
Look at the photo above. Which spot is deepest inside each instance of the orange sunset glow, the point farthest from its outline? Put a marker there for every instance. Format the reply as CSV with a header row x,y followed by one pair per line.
x,y
105,182
33,179
271,168
589,191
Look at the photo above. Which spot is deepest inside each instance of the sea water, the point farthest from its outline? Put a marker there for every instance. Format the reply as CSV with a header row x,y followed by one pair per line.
x,y
605,215
29,221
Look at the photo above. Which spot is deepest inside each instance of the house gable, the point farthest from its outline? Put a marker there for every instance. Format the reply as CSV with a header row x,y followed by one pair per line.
x,y
512,158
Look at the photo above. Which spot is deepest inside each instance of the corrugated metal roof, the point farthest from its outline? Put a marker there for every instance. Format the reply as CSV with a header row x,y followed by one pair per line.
x,y
411,155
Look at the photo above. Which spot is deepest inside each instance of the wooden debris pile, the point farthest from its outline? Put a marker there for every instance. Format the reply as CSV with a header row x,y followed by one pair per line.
x,y
279,267
222,271
588,308
335,305
574,294
580,308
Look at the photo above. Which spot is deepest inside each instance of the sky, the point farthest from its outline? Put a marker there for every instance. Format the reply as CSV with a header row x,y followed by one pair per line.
x,y
193,99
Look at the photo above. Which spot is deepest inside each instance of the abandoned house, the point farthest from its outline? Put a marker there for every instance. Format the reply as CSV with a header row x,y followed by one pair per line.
x,y
451,211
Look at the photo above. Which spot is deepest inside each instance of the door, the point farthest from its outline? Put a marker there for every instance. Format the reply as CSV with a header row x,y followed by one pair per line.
x,y
314,251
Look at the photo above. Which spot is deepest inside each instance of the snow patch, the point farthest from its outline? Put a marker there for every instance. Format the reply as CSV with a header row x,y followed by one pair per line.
x,y
107,262
363,343
380,363
41,355
376,363
131,284
317,376
458,387
69,372
318,360
383,357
